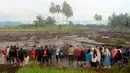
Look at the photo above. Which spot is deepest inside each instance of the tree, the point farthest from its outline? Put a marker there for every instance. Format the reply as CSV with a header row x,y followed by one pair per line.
x,y
96,17
58,10
52,9
119,21
50,21
67,10
39,21
100,18
71,23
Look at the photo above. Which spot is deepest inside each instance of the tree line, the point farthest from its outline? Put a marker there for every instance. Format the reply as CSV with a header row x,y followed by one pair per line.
x,y
119,21
65,9
114,21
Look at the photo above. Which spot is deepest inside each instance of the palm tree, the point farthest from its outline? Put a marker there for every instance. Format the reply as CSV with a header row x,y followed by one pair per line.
x,y
67,10
96,17
52,9
58,10
38,22
100,18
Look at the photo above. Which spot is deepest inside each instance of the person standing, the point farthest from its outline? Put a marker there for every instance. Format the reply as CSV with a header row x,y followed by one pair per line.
x,y
61,54
21,56
3,57
12,55
79,55
33,54
71,54
113,54
45,55
107,57
50,50
82,56
57,53
7,54
88,58
40,53
126,56
98,55
94,59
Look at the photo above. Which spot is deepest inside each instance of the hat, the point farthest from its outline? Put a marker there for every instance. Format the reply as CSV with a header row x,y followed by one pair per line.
x,y
39,46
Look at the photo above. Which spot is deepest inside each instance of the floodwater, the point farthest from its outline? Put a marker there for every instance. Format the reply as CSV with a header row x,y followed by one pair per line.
x,y
73,40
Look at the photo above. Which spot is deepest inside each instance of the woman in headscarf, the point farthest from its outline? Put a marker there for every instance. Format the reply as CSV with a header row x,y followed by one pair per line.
x,y
107,57
98,55
119,58
94,59
113,54
88,58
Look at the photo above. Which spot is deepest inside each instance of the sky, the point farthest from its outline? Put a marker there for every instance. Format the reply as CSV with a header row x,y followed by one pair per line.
x,y
27,10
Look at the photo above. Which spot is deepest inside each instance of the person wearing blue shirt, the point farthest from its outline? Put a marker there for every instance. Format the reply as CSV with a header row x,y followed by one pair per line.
x,y
88,58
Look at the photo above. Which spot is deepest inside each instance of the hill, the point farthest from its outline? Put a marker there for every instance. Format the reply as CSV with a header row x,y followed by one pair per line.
x,y
9,23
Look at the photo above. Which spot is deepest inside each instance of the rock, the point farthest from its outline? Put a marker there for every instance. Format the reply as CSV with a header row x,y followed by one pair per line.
x,y
127,42
23,38
105,37
89,36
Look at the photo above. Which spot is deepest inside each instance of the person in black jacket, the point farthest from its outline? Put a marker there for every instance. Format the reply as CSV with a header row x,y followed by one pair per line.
x,y
39,54
12,55
21,55
50,51
82,57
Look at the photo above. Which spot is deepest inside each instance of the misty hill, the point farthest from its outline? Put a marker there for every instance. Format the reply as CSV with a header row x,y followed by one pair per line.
x,y
10,23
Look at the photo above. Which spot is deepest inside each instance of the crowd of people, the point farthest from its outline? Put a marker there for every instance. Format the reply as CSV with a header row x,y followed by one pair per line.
x,y
89,57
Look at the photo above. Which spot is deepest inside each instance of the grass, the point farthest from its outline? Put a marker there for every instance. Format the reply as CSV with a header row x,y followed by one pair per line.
x,y
58,70
49,29
50,70
35,68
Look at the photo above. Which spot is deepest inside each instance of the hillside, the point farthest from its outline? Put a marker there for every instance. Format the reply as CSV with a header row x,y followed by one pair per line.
x,y
9,23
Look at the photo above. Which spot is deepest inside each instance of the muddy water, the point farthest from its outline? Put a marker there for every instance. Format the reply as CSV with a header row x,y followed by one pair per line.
x,y
73,40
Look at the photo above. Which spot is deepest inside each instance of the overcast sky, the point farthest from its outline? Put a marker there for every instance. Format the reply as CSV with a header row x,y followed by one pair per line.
x,y
27,10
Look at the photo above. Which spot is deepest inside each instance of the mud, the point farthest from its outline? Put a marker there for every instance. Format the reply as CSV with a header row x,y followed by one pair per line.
x,y
43,38
8,69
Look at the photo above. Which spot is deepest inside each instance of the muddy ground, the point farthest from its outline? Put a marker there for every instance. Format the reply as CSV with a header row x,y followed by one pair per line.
x,y
84,38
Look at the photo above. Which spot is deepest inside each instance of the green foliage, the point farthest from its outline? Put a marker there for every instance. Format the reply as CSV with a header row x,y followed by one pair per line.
x,y
39,22
71,23
98,17
119,21
67,10
52,9
96,26
34,64
50,21
4,72
51,70
58,8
